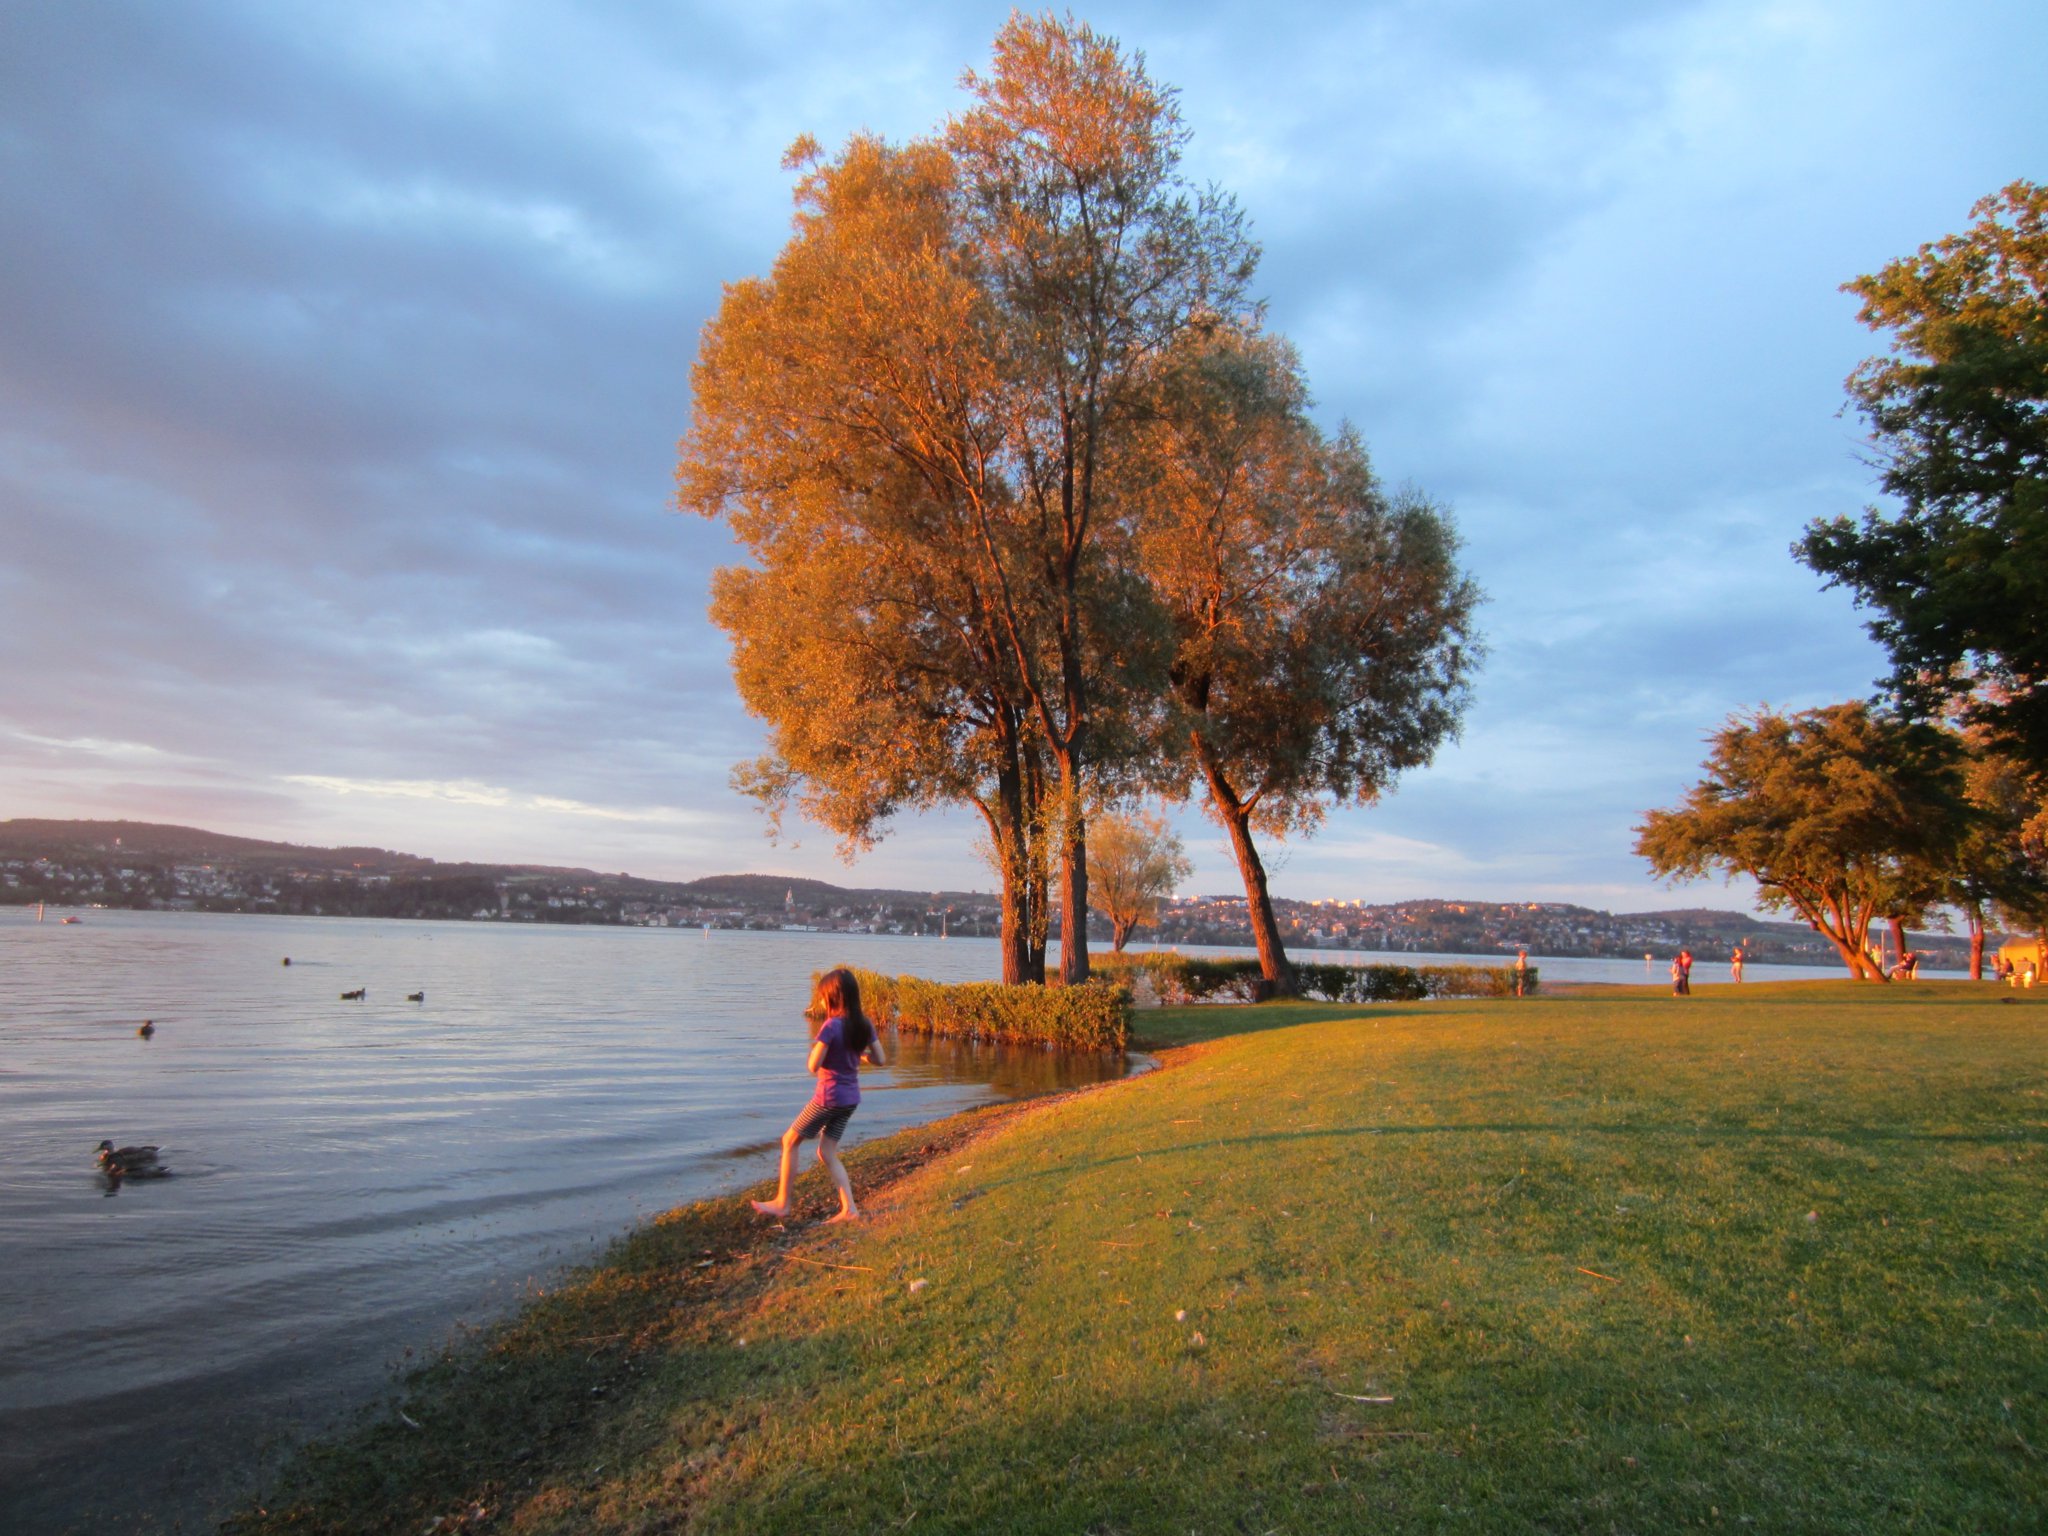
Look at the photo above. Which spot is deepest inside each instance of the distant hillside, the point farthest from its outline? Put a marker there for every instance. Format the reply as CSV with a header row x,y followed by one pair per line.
x,y
28,837
155,842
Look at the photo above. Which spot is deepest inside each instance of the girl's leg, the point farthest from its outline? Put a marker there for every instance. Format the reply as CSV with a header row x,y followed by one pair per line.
x,y
779,1206
828,1154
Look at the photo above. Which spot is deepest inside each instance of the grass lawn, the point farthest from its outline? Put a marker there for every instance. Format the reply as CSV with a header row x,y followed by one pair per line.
x,y
1772,1258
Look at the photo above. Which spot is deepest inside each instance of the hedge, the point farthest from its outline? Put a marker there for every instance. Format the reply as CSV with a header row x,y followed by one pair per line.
x,y
1179,978
1094,1016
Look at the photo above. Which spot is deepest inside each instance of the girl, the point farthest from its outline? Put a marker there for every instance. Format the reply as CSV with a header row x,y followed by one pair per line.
x,y
842,1040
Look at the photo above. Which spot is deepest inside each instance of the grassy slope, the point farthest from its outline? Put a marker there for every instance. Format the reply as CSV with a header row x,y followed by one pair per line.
x,y
1568,1237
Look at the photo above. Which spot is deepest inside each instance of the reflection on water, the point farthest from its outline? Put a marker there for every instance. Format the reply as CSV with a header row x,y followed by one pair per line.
x,y
1011,1072
351,1179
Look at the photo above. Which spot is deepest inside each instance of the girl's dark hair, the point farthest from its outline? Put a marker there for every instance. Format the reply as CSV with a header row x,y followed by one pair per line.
x,y
839,993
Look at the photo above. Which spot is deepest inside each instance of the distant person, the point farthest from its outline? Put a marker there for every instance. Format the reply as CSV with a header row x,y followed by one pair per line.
x,y
1685,973
844,1037
1735,963
1521,970
1677,978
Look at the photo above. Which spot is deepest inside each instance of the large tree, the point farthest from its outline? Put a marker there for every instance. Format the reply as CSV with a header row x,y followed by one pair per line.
x,y
932,381
1958,411
1833,812
1096,255
1321,630
844,425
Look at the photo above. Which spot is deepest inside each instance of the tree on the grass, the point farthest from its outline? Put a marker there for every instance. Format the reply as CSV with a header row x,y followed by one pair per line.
x,y
1830,811
922,401
1135,862
1095,254
1958,574
842,426
1321,630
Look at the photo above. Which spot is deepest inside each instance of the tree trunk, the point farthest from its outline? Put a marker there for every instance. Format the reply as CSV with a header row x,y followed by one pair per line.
x,y
1035,929
1276,975
1002,819
1073,875
1120,934
1828,915
1015,940
1974,917
1898,931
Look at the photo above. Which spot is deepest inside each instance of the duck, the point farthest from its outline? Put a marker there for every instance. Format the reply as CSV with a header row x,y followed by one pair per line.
x,y
356,996
130,1162
415,997
148,1028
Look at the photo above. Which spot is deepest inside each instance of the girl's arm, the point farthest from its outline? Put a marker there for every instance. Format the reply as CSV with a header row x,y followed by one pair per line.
x,y
874,1051
817,1056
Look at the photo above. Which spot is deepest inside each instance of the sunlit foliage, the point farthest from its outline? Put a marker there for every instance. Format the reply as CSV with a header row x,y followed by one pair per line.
x,y
1135,862
1320,630
1835,813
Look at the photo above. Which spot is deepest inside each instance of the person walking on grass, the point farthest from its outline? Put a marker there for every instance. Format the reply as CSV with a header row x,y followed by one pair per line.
x,y
844,1037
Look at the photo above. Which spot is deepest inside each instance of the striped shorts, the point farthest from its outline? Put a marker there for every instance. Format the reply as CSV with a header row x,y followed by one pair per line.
x,y
827,1118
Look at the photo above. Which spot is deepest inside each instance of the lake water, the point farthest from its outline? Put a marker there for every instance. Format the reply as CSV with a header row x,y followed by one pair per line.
x,y
352,1180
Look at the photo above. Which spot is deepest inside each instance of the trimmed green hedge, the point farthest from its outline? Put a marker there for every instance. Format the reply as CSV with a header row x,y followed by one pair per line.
x,y
1095,1016
1195,979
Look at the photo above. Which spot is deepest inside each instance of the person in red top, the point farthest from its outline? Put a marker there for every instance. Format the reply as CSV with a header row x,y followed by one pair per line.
x,y
844,1037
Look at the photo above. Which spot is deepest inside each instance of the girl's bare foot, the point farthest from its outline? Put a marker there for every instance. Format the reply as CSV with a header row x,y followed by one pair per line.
x,y
769,1208
843,1216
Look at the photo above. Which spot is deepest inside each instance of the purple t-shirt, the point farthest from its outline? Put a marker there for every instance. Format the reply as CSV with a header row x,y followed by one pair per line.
x,y
839,1068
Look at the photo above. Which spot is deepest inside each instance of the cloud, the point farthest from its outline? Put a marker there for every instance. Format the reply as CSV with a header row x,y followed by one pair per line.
x,y
345,348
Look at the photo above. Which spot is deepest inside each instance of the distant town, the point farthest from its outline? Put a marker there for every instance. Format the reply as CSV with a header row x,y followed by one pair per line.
x,y
146,866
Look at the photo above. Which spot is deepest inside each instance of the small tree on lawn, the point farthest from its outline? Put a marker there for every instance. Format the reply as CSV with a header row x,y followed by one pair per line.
x,y
1831,812
1135,862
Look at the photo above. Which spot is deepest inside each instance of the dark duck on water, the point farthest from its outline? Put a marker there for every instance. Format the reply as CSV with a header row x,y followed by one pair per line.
x,y
130,1162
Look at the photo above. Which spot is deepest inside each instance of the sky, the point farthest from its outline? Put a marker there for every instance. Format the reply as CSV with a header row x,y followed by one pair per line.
x,y
344,350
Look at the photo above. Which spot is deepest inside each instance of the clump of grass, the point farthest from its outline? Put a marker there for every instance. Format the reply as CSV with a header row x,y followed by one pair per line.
x,y
1766,1259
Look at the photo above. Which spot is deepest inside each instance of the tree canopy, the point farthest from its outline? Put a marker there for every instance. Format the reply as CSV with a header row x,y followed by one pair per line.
x,y
1958,409
1320,631
1035,514
1835,813
927,391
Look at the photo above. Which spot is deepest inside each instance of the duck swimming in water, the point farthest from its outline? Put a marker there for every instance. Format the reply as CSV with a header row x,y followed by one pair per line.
x,y
415,997
148,1028
130,1162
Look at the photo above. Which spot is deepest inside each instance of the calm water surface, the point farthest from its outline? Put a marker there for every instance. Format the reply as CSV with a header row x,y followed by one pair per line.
x,y
353,1180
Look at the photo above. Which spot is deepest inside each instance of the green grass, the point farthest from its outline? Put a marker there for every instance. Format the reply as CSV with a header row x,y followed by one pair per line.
x,y
1768,1259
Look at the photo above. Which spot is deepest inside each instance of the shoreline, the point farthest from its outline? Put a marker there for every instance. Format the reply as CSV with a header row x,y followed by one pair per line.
x,y
719,1256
